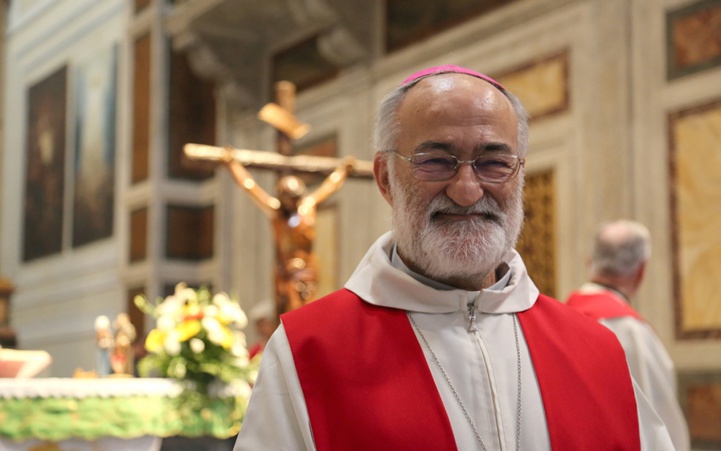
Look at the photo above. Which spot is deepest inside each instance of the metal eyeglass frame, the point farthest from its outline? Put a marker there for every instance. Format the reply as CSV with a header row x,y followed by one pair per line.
x,y
520,163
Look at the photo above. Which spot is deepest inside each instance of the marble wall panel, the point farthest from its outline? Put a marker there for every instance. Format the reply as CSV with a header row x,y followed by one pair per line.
x,y
695,156
189,232
140,169
191,119
693,36
138,243
541,85
700,398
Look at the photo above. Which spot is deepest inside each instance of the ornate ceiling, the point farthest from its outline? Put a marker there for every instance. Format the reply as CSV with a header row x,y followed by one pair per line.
x,y
233,41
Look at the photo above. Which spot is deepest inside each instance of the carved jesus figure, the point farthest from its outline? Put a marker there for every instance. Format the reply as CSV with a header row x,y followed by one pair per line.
x,y
293,216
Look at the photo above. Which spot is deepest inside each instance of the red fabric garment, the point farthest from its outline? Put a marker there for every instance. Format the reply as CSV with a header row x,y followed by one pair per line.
x,y
584,379
361,378
255,350
601,305
359,390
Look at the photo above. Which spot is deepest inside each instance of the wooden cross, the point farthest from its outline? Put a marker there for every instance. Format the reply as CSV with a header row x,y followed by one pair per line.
x,y
292,210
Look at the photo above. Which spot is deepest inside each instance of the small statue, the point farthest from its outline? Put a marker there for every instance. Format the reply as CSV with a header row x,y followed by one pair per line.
x,y
104,342
122,360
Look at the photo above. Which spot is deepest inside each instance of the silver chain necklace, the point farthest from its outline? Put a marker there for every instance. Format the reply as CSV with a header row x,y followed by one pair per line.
x,y
458,398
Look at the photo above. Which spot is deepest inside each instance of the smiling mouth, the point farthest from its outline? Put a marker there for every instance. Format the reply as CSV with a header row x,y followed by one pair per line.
x,y
465,216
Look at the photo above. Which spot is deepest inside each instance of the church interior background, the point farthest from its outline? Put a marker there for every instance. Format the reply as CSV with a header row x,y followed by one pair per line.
x,y
98,203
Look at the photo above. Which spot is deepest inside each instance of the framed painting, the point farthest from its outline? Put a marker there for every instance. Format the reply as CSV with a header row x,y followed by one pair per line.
x,y
45,167
94,121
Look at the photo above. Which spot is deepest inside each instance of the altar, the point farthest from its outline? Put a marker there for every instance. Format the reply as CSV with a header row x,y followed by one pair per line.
x,y
109,414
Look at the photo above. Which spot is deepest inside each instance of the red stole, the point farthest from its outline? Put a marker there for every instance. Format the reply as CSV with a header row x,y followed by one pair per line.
x,y
366,381
601,305
584,379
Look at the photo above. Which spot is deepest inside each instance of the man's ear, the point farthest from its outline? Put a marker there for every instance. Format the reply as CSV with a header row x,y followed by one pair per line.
x,y
380,171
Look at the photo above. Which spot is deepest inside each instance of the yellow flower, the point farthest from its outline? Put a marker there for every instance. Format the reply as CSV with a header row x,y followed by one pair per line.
x,y
188,329
218,333
155,340
227,338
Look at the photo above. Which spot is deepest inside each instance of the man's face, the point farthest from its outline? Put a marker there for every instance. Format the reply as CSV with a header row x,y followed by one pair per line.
x,y
458,230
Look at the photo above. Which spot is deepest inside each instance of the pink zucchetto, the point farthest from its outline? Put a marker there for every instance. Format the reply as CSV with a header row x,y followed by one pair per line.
x,y
451,69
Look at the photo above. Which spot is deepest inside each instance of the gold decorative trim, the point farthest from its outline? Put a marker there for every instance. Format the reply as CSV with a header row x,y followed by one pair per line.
x,y
537,244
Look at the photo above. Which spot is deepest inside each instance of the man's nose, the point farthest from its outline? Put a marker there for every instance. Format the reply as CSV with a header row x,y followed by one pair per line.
x,y
464,188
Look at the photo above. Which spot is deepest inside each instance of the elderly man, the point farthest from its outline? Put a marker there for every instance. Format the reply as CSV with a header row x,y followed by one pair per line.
x,y
439,340
618,263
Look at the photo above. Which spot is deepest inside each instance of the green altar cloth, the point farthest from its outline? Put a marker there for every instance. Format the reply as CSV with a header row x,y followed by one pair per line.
x,y
60,409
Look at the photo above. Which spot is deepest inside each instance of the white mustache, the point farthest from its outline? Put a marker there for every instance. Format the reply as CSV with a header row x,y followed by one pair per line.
x,y
486,207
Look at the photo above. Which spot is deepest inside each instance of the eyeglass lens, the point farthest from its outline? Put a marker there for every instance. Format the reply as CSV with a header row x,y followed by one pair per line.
x,y
491,168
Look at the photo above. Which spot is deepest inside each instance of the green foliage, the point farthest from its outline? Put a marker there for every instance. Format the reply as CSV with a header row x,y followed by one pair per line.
x,y
198,340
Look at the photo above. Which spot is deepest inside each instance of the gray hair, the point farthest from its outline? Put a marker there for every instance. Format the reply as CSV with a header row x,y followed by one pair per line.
x,y
387,127
620,248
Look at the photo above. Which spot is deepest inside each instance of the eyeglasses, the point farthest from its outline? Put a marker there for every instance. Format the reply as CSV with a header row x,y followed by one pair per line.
x,y
489,168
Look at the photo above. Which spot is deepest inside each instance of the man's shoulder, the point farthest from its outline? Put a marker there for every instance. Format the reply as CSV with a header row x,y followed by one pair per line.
x,y
561,317
555,306
340,299
602,304
342,320
339,307
582,296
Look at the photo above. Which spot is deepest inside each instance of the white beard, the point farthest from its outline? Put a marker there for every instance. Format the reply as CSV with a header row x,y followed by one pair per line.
x,y
455,249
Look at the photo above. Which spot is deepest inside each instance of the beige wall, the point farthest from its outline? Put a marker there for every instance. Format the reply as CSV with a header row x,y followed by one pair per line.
x,y
3,17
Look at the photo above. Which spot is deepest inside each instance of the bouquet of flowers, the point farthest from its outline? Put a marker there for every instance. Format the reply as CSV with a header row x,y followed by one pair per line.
x,y
198,339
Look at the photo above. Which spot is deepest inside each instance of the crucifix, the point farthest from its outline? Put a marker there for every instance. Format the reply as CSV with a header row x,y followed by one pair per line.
x,y
292,210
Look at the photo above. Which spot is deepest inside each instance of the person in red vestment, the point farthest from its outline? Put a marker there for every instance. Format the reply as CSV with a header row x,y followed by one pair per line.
x,y
618,265
440,340
264,318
